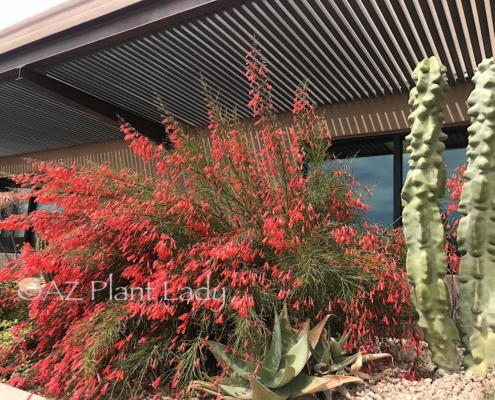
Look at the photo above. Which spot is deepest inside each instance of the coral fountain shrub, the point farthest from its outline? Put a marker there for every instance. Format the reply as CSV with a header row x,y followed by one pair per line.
x,y
263,222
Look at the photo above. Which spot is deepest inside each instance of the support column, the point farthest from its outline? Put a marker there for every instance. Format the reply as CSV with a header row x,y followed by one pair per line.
x,y
29,233
398,140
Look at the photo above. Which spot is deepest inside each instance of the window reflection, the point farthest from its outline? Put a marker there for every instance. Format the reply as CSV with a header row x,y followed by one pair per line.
x,y
453,159
370,161
49,207
376,173
12,240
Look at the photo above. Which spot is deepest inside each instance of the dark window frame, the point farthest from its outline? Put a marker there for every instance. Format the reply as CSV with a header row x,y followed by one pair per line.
x,y
457,139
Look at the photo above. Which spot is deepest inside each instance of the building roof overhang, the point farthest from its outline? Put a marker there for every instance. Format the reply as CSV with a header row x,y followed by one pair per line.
x,y
350,51
67,15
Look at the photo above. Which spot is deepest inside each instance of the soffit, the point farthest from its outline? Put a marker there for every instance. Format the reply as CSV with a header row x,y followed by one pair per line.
x,y
348,50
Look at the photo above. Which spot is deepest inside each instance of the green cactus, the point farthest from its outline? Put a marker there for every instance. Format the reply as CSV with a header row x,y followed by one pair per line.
x,y
476,234
425,184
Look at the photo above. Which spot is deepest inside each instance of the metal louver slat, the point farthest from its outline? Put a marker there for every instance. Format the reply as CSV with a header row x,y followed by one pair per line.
x,y
30,121
348,50
347,66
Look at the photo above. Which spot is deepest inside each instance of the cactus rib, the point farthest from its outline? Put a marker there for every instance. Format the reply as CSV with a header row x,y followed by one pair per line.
x,y
476,229
425,184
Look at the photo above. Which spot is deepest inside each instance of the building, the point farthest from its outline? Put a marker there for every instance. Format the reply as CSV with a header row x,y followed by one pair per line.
x,y
66,73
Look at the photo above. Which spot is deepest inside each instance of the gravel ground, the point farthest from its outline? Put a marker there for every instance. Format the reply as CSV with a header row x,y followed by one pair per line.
x,y
454,387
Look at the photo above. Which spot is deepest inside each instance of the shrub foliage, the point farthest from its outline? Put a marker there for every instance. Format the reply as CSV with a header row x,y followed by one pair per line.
x,y
266,223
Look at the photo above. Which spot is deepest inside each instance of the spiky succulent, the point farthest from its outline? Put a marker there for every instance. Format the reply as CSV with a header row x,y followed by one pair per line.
x,y
329,356
280,374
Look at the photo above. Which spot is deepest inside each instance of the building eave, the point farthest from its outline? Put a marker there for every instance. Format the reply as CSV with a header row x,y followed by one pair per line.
x,y
73,28
67,15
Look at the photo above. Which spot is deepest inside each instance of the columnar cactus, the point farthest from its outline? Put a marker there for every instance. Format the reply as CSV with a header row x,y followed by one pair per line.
x,y
425,184
476,235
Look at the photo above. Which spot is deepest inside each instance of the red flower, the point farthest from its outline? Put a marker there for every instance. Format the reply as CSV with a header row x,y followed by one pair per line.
x,y
156,382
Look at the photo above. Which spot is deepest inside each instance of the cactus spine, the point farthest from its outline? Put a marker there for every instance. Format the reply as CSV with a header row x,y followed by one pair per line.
x,y
476,234
425,184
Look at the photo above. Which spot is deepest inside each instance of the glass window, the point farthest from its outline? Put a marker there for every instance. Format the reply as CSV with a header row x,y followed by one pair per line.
x,y
9,239
453,158
376,173
371,163
49,207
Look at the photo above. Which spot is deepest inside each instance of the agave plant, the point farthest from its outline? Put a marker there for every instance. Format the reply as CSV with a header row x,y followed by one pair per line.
x,y
329,357
280,375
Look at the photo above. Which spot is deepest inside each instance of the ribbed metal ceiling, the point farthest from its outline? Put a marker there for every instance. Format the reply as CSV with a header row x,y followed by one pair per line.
x,y
30,122
347,49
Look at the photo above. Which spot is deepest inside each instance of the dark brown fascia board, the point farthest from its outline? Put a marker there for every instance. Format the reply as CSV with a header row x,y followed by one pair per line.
x,y
123,24
69,14
82,101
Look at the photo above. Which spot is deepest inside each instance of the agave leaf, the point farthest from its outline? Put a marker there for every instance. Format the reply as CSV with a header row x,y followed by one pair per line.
x,y
220,353
238,392
321,368
321,353
288,337
261,392
299,333
344,363
317,352
315,333
304,384
273,358
282,376
343,340
357,365
262,373
295,361
376,356
335,349
284,314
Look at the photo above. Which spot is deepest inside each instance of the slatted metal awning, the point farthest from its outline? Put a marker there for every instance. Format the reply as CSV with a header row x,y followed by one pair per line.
x,y
31,121
347,49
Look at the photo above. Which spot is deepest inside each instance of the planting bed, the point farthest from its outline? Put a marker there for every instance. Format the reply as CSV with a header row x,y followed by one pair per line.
x,y
394,387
